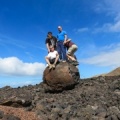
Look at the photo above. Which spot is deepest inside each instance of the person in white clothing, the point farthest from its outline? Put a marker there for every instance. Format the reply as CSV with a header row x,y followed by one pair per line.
x,y
52,57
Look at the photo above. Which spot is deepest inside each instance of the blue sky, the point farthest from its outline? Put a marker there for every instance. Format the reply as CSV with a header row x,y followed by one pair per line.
x,y
93,25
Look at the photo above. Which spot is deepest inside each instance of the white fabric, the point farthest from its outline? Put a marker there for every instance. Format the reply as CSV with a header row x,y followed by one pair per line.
x,y
52,55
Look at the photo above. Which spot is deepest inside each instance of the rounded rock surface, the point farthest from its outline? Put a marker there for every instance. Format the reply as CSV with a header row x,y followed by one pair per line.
x,y
65,75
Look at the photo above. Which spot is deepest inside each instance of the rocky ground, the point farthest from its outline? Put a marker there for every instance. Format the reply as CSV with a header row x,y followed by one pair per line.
x,y
12,113
95,98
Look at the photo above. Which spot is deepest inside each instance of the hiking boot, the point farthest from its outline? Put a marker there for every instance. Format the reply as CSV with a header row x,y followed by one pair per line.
x,y
75,63
69,61
50,67
53,65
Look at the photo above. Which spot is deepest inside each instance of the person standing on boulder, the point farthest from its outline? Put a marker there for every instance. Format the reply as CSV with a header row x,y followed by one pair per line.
x,y
72,48
52,58
51,40
61,37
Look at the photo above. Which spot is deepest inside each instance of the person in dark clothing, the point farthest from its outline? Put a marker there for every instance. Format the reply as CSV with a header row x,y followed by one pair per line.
x,y
51,40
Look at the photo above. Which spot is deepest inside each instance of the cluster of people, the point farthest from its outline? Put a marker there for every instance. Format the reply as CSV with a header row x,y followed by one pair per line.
x,y
57,46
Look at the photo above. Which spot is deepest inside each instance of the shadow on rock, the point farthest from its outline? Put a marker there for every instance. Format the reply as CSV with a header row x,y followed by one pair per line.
x,y
64,77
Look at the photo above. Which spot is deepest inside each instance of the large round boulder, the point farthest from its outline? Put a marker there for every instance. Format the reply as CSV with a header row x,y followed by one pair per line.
x,y
64,76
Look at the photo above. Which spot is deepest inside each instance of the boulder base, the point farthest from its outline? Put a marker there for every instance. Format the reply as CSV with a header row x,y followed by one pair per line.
x,y
64,76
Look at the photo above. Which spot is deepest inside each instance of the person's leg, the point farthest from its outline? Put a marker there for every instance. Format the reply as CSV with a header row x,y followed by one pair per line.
x,y
56,60
75,57
70,54
74,49
59,50
48,62
63,49
52,62
71,51
71,57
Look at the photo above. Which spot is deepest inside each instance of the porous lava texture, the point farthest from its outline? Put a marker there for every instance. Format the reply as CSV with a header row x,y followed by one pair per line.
x,y
64,76
95,98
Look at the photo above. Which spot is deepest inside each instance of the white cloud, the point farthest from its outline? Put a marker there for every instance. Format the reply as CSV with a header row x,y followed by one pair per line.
x,y
112,9
109,7
115,27
108,27
110,58
14,66
81,30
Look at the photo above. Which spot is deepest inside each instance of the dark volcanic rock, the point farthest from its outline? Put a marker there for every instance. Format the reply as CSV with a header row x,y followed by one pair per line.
x,y
10,117
1,114
92,99
64,76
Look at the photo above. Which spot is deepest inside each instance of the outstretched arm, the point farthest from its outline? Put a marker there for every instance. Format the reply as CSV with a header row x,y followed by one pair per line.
x,y
56,59
68,40
47,60
47,47
65,38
